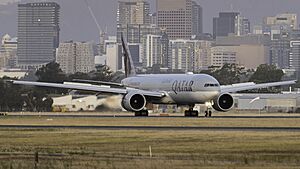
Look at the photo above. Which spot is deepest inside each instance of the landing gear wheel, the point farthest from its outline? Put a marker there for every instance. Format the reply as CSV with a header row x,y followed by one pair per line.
x,y
187,113
209,113
191,113
143,113
206,113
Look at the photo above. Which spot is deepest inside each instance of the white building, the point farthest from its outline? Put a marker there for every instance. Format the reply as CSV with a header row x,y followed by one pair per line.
x,y
8,52
112,53
76,57
153,51
189,55
282,19
67,103
274,25
295,56
221,55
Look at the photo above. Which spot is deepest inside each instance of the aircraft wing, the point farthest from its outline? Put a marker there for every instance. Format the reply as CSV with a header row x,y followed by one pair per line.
x,y
250,86
89,87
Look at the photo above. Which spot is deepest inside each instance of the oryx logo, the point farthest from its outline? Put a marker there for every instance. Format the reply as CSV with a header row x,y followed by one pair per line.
x,y
182,86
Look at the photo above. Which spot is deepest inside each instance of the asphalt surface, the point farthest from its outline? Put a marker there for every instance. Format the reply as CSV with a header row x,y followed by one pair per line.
x,y
157,116
157,128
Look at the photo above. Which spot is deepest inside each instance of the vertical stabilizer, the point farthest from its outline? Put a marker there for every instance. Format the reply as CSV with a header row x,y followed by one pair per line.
x,y
128,63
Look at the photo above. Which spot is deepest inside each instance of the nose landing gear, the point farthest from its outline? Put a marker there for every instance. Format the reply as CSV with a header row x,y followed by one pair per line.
x,y
208,112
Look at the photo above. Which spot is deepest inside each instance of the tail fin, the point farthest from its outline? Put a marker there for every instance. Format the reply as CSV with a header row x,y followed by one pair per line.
x,y
128,63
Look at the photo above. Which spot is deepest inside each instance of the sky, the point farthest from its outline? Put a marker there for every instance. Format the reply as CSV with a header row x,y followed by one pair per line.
x,y
77,24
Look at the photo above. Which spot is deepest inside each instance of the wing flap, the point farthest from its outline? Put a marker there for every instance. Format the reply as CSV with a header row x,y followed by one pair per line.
x,y
237,88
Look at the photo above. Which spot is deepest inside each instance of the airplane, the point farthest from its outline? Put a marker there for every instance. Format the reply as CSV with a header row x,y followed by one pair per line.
x,y
181,89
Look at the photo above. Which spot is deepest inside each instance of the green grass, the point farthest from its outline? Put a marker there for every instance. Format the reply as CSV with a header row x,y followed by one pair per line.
x,y
118,149
130,149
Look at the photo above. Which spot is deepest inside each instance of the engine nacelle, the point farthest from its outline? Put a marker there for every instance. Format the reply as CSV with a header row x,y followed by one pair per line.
x,y
134,102
223,102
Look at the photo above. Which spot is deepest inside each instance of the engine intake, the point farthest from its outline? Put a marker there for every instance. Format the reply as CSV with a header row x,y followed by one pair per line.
x,y
223,102
134,102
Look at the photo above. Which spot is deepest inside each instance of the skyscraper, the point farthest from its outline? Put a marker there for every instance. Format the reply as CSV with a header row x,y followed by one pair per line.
x,y
133,12
295,57
76,57
180,18
197,19
38,33
189,55
280,50
135,22
225,24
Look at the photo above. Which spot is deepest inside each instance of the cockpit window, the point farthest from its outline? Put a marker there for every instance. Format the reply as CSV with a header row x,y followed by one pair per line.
x,y
211,85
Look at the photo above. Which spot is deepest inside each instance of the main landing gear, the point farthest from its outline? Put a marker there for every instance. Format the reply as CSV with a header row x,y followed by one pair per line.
x,y
194,113
143,113
191,112
208,112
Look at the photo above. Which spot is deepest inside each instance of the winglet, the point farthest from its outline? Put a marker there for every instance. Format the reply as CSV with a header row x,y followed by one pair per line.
x,y
128,63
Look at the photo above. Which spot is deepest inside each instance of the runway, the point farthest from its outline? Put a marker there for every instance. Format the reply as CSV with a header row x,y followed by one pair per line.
x,y
156,128
157,116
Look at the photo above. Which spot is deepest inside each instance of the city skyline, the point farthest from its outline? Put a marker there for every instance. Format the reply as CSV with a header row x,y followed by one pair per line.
x,y
87,30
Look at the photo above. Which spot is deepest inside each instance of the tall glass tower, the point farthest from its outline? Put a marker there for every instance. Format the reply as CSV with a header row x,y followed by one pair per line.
x,y
38,33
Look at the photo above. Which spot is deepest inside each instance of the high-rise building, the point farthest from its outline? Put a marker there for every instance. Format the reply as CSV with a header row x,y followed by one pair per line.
x,y
133,12
8,52
153,18
251,50
76,57
295,57
197,19
180,18
164,49
280,50
244,27
135,51
189,55
38,33
227,23
153,51
136,33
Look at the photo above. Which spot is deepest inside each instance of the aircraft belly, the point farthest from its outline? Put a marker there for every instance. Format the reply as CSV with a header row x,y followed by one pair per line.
x,y
193,97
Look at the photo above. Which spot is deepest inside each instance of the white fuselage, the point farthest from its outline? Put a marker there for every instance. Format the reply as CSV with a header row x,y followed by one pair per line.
x,y
182,89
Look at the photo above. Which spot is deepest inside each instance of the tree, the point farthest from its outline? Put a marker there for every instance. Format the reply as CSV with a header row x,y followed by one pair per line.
x,y
267,73
51,73
79,75
102,73
10,96
228,74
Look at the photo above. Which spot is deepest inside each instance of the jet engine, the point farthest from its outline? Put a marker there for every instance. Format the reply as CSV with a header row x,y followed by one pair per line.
x,y
223,102
134,102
